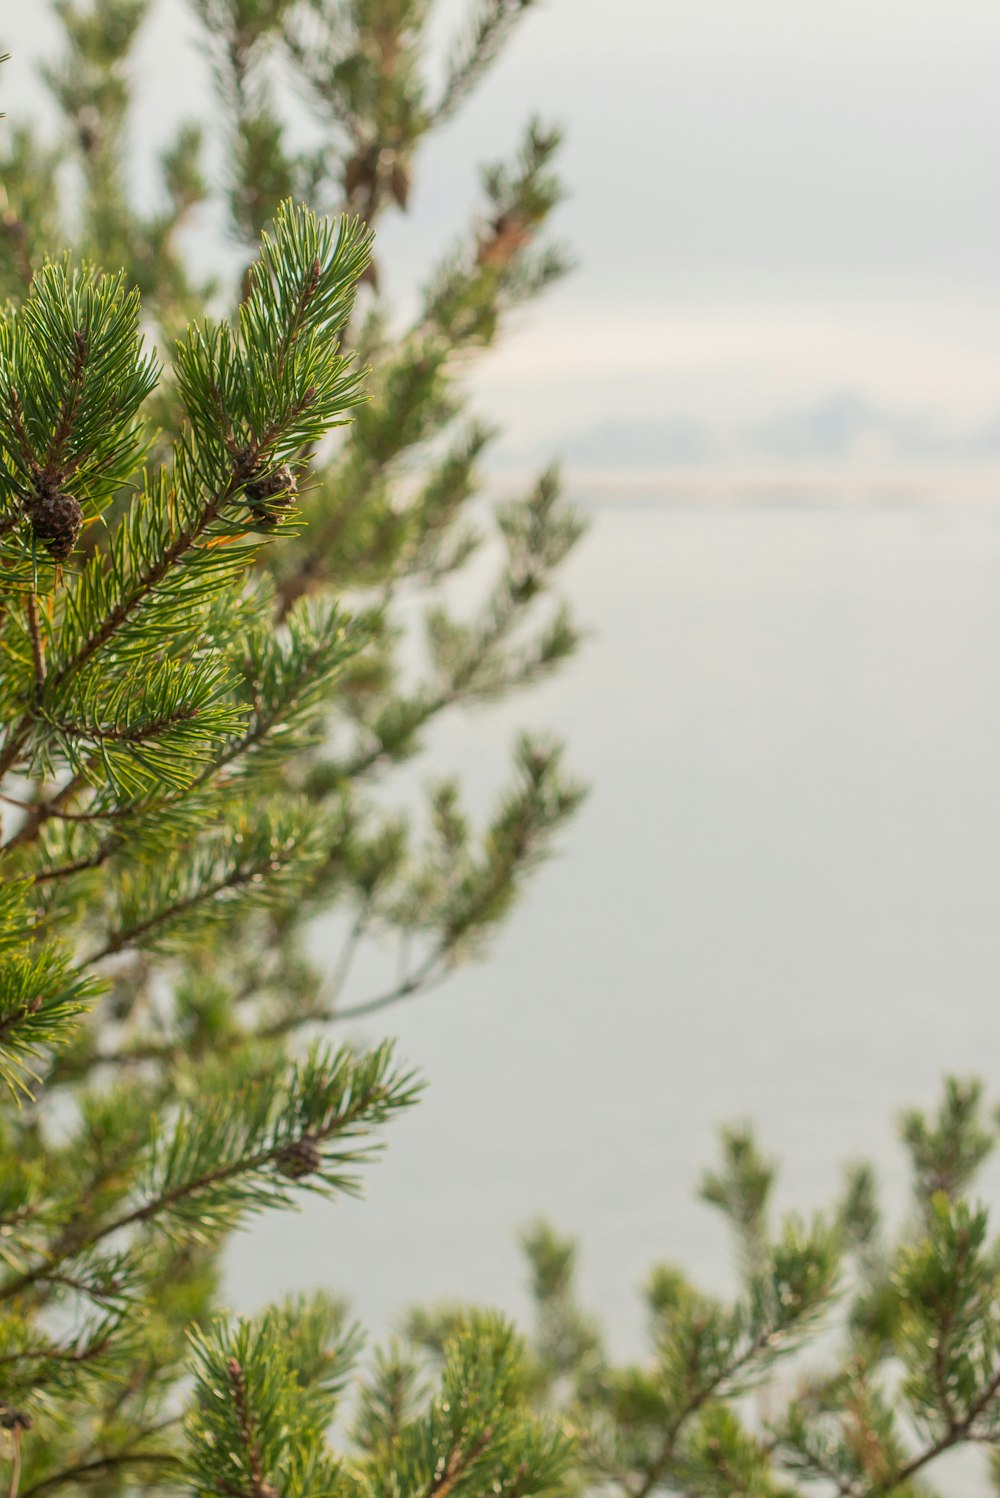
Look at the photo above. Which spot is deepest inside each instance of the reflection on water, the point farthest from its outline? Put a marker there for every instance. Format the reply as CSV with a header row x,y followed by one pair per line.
x,y
780,903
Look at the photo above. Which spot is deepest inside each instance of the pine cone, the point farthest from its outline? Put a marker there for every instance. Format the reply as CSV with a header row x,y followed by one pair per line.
x,y
56,519
302,1158
272,491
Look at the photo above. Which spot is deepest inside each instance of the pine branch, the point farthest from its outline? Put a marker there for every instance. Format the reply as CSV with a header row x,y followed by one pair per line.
x,y
284,385
248,861
289,679
279,1131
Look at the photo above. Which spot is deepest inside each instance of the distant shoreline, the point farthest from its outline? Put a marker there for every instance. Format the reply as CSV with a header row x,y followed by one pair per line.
x,y
736,486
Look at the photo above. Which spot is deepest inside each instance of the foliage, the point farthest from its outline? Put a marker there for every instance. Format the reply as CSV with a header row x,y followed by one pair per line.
x,y
212,554
210,559
849,1361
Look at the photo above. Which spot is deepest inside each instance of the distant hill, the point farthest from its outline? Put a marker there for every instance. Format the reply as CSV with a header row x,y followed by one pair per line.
x,y
844,427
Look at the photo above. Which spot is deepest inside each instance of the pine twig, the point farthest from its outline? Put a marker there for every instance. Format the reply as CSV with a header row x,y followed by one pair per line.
x,y
258,1488
167,1198
37,646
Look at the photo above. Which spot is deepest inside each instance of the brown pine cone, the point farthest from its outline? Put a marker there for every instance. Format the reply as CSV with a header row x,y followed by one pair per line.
x,y
56,518
271,491
274,487
301,1158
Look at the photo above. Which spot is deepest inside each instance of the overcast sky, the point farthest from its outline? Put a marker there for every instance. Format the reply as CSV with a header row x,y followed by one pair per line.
x,y
771,200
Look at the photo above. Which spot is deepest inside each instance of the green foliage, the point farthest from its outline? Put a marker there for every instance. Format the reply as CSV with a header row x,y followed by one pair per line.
x,y
792,1386
210,561
212,552
847,1362
258,1426
947,1151
40,994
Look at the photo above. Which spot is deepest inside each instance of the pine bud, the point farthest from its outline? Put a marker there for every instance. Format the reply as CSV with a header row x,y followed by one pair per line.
x,y
56,519
301,1158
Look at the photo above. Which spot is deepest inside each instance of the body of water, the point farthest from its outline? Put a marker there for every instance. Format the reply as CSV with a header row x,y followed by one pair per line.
x,y
779,904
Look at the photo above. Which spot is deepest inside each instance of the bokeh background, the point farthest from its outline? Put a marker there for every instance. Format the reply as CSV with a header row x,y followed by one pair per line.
x,y
774,382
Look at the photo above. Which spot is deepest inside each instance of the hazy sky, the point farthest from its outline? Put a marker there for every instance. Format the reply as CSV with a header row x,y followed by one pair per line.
x,y
771,200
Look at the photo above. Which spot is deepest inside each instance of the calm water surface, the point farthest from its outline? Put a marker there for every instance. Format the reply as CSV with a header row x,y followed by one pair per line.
x,y
780,904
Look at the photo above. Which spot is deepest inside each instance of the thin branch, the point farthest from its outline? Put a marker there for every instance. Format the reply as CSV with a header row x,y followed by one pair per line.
x,y
16,416
291,333
457,1464
54,467
93,1292
957,1431
127,937
40,811
138,734
103,1464
342,968
468,66
247,1431
95,860
424,978
37,647
507,613
56,1354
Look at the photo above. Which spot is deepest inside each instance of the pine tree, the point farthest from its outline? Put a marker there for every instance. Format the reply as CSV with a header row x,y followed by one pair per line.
x,y
219,509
